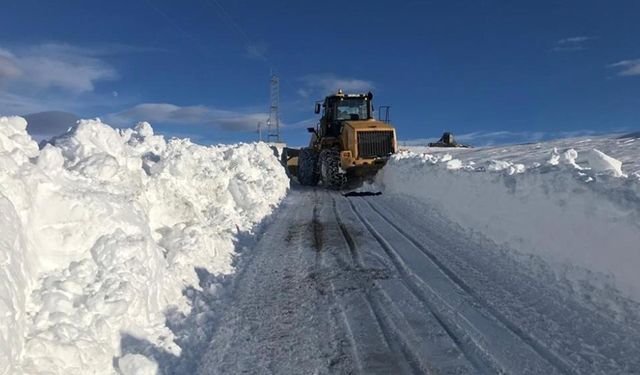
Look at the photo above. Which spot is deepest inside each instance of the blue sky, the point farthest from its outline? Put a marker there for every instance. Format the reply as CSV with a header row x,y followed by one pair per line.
x,y
490,71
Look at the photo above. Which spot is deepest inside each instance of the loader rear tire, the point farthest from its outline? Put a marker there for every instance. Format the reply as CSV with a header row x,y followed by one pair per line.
x,y
308,167
332,175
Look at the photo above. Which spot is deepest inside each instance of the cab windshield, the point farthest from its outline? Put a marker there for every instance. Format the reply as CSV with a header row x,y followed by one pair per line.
x,y
352,109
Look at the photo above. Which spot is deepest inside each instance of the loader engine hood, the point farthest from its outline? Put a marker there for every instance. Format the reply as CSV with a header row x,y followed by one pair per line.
x,y
368,139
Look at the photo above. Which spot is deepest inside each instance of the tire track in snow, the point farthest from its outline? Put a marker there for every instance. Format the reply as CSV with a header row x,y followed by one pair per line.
x,y
336,312
461,339
543,351
575,320
393,340
276,321
477,345
341,316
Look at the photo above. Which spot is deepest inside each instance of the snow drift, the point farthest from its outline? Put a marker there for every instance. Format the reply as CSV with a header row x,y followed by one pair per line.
x,y
567,202
100,231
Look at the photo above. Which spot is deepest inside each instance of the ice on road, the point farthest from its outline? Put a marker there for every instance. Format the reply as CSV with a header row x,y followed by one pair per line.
x,y
386,285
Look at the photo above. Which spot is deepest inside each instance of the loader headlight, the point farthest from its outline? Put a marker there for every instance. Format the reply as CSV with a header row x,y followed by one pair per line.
x,y
346,154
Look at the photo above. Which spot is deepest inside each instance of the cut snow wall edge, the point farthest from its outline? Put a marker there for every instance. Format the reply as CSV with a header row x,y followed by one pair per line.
x,y
550,212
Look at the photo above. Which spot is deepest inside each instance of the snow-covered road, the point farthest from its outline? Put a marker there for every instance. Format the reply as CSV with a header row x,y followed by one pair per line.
x,y
122,252
386,285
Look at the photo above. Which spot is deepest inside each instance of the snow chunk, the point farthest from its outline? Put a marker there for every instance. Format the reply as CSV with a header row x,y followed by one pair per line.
x,y
144,129
16,146
50,159
503,165
603,163
498,165
446,158
88,138
555,157
570,157
454,164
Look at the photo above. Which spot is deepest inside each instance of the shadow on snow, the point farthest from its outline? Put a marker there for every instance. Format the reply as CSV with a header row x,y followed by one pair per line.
x,y
193,331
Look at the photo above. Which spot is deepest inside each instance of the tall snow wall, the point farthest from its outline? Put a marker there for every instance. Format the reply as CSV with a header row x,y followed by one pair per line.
x,y
576,210
101,230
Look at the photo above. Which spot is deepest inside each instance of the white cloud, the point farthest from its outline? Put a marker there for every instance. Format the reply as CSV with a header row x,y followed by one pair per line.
x,y
51,65
330,83
303,124
242,121
14,104
9,70
574,40
574,43
256,50
41,77
303,93
162,112
627,67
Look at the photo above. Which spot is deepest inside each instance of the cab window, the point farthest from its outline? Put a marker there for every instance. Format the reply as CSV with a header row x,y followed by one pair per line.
x,y
352,109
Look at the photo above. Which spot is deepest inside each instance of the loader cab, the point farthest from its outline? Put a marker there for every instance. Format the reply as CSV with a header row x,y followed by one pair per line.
x,y
341,107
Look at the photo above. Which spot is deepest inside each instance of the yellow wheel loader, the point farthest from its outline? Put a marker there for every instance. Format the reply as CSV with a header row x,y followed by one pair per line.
x,y
346,146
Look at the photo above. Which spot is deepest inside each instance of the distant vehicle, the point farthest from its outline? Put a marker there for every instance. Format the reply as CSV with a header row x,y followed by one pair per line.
x,y
447,141
346,145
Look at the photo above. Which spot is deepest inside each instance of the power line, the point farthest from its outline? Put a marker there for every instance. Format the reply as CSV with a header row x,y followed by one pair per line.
x,y
236,28
273,123
232,24
199,47
230,21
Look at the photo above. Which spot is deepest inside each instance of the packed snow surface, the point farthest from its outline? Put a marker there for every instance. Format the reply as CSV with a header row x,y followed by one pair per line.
x,y
385,284
102,230
574,203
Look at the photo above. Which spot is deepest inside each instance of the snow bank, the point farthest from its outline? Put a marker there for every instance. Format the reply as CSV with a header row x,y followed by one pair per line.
x,y
578,209
101,230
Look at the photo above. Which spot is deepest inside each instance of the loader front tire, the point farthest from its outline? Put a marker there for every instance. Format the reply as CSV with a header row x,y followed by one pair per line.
x,y
308,167
333,177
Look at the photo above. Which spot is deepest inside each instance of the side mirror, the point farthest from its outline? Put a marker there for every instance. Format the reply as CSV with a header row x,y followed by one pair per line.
x,y
311,130
317,108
